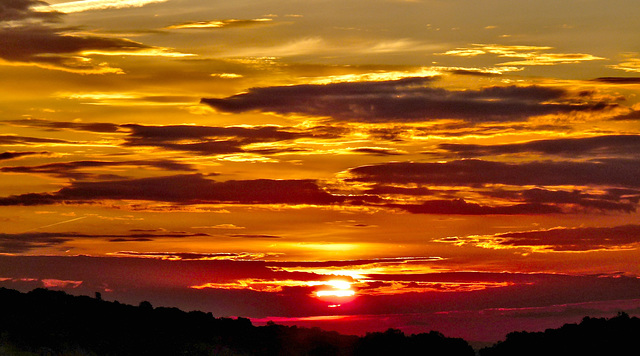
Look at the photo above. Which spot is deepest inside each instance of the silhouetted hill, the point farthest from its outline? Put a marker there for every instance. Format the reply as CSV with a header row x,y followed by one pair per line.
x,y
44,322
593,336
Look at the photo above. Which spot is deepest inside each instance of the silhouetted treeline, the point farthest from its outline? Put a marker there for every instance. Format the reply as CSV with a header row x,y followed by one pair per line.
x,y
44,322
593,336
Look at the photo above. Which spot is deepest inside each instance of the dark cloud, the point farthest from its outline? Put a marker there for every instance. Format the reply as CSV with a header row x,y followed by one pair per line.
x,y
71,169
618,145
611,186
461,207
44,44
14,155
473,72
378,151
406,100
255,236
572,239
19,243
609,201
473,172
394,133
633,115
185,189
24,242
208,140
18,10
381,189
618,80
52,47
25,140
101,127
216,140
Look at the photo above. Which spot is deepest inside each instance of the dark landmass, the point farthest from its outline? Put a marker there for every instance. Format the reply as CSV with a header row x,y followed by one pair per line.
x,y
44,322
593,336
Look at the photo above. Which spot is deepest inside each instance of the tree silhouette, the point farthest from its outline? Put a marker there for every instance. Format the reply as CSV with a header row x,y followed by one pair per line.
x,y
48,322
593,336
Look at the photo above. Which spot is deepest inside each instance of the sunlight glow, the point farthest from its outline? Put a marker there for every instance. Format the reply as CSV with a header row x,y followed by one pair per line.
x,y
339,284
335,293
341,288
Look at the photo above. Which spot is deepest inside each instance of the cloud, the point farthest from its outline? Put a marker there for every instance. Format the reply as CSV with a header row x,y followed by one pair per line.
x,y
18,10
45,45
101,127
19,243
607,185
559,239
609,201
217,140
221,226
381,189
474,172
618,80
633,115
530,55
207,140
319,46
252,289
461,207
185,189
186,256
14,155
477,187
379,151
26,140
406,100
71,169
28,241
255,236
217,24
631,65
88,5
605,146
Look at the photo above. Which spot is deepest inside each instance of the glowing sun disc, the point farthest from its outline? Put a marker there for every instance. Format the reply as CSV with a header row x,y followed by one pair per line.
x,y
335,293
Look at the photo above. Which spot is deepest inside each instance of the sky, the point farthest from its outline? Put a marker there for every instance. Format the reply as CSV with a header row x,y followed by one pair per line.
x,y
469,167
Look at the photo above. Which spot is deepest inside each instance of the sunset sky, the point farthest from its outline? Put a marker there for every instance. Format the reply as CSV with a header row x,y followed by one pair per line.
x,y
471,167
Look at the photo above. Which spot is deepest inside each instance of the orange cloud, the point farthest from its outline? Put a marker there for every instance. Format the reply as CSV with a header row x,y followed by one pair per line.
x,y
560,239
530,55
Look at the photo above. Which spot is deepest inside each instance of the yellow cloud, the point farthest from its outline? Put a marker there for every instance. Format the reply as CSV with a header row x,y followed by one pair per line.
x,y
631,65
530,55
87,5
217,24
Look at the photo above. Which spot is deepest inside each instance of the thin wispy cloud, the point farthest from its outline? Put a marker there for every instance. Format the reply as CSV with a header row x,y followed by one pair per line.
x,y
529,55
219,24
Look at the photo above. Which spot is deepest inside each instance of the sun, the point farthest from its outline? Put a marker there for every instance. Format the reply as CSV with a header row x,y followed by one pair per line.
x,y
340,288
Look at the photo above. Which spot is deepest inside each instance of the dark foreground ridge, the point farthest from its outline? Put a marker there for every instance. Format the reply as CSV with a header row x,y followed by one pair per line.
x,y
44,322
593,336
